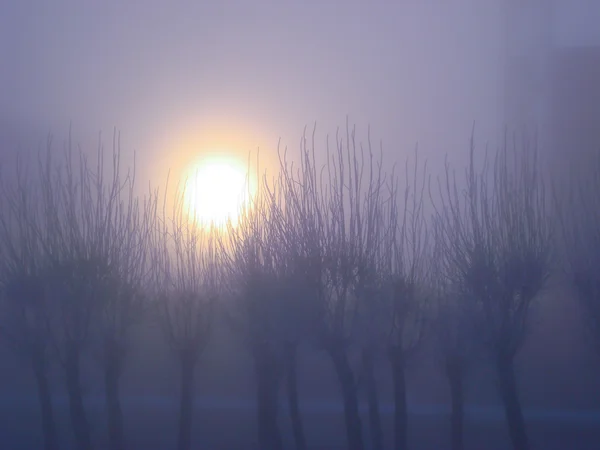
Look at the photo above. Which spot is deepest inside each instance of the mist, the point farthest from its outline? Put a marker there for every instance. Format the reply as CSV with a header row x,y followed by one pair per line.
x,y
173,83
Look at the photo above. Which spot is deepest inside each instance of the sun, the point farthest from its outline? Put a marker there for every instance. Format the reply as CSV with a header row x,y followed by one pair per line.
x,y
216,191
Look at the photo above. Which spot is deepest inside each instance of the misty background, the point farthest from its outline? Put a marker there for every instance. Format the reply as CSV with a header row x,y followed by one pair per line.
x,y
414,70
177,78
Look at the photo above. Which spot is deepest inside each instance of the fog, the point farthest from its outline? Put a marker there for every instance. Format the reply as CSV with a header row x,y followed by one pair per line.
x,y
158,71
182,79
262,70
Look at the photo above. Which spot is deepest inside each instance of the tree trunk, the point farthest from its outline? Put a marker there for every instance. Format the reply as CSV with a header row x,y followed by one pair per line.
x,y
112,373
48,425
455,374
507,386
350,397
400,404
292,391
186,402
81,427
267,377
376,432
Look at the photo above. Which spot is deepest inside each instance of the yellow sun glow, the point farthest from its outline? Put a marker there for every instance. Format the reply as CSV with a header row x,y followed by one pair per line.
x,y
216,192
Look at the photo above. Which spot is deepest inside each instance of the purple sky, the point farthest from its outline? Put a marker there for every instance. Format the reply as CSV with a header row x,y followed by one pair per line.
x,y
248,72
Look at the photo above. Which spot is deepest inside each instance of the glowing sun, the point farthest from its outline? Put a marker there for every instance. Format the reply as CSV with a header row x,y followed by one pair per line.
x,y
216,192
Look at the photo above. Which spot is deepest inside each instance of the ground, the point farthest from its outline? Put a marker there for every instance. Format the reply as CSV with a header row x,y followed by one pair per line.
x,y
231,427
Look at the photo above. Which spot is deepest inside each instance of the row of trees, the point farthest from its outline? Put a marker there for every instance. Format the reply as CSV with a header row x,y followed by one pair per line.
x,y
345,257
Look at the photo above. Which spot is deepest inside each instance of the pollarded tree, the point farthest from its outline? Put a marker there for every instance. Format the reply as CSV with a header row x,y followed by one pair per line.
x,y
579,216
124,224
498,237
373,214
22,287
261,284
186,274
292,239
407,293
74,272
95,238
301,224
336,209
452,328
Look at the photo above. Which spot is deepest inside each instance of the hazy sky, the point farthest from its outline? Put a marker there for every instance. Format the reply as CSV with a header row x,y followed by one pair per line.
x,y
180,76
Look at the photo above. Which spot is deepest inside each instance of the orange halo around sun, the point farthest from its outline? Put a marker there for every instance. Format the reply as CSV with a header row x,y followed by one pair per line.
x,y
216,160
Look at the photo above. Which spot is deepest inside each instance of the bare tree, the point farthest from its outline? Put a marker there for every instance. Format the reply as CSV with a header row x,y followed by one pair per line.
x,y
23,309
259,314
374,206
368,287
338,307
186,285
498,236
74,271
299,227
95,242
299,279
408,295
336,211
124,224
452,327
276,267
578,210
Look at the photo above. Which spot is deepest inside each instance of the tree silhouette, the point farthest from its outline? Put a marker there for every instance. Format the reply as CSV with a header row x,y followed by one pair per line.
x,y
95,239
186,274
75,271
335,211
338,306
22,287
301,203
299,274
498,236
407,290
124,224
259,309
374,203
452,326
